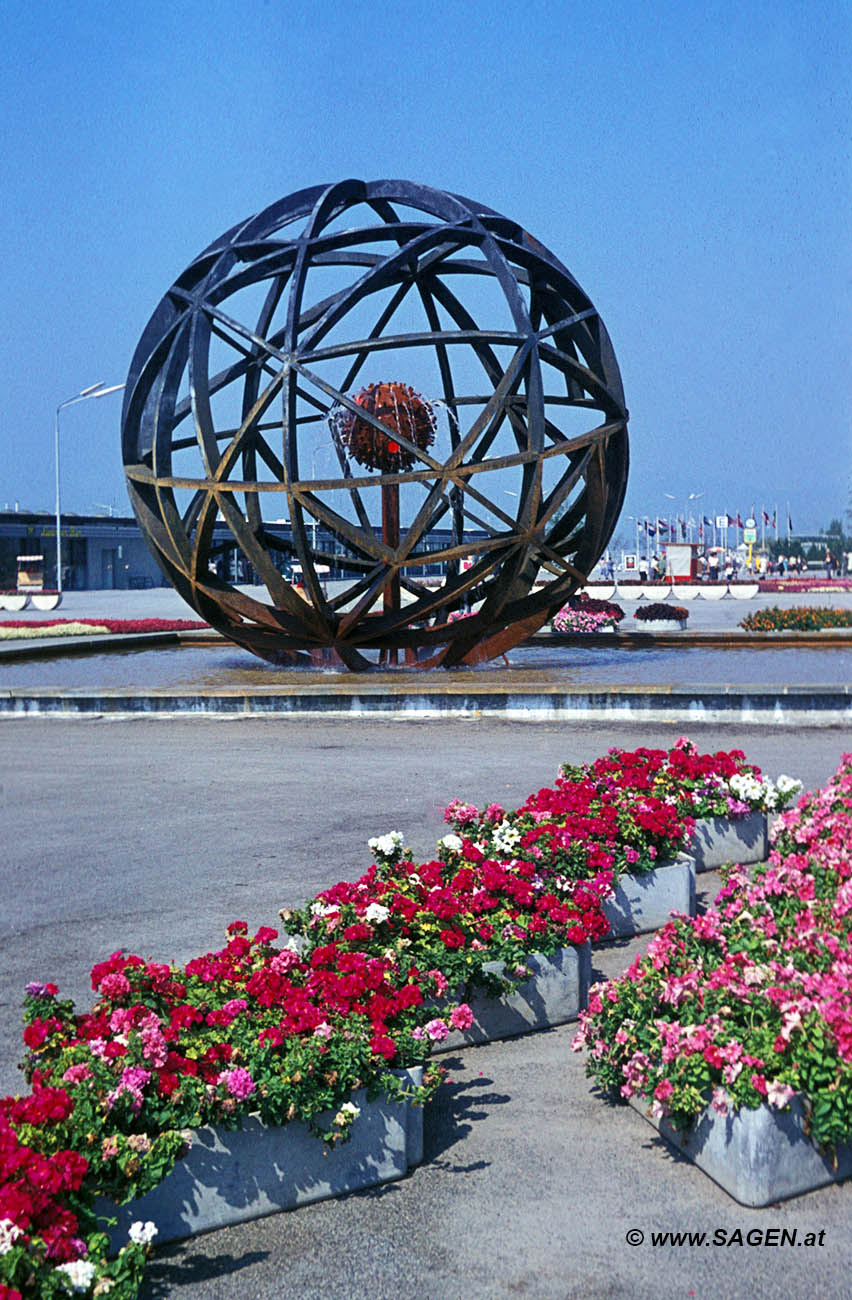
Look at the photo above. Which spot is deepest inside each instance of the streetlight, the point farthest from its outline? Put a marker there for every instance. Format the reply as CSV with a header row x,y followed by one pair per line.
x,y
94,390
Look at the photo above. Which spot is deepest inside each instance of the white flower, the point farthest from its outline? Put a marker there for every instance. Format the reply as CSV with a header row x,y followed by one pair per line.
x,y
9,1233
778,1094
80,1273
376,913
453,843
386,846
323,909
142,1233
788,784
506,837
347,1113
746,787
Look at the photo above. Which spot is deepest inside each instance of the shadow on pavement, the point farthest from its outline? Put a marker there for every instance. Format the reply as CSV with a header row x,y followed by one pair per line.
x,y
166,1272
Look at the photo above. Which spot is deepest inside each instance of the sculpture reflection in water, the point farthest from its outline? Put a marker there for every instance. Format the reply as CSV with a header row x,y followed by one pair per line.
x,y
447,384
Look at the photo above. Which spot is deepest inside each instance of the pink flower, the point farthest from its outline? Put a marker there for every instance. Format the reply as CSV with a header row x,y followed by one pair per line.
x,y
131,1084
461,1017
440,981
76,1074
238,1081
114,985
284,961
437,1030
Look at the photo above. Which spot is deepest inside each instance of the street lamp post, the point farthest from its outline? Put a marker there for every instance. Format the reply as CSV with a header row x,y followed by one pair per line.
x,y
94,390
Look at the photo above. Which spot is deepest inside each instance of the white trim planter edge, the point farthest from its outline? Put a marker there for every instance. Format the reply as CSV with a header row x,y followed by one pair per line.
x,y
660,624
45,600
642,903
717,840
757,1156
232,1175
556,992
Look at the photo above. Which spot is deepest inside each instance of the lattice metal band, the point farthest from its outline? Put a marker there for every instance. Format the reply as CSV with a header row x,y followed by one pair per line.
x,y
255,365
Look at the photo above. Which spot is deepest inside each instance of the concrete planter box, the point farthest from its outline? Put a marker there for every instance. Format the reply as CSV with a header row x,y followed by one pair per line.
x,y
758,1156
717,840
231,1175
660,624
14,601
642,903
556,992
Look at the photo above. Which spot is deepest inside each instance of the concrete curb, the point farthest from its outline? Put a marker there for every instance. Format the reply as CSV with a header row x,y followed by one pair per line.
x,y
761,705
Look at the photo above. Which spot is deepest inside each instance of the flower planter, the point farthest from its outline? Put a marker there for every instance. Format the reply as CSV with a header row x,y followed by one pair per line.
x,y
46,600
556,992
14,601
660,625
642,903
717,840
757,1156
231,1175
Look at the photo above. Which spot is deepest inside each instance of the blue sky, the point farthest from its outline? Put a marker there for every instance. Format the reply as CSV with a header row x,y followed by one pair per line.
x,y
690,164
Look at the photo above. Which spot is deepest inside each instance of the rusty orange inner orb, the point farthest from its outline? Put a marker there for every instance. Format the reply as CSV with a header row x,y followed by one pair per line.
x,y
401,411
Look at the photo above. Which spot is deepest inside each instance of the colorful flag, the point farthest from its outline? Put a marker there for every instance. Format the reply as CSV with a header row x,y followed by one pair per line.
x,y
740,523
766,519
708,523
732,523
789,521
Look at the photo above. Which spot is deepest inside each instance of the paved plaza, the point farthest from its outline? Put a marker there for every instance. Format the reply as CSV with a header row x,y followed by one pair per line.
x,y
164,602
152,834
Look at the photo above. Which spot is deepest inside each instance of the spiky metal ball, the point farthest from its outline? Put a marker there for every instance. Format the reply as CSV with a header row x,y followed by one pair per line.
x,y
406,415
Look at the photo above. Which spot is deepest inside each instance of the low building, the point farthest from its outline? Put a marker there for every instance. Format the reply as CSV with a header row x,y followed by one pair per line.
x,y
110,553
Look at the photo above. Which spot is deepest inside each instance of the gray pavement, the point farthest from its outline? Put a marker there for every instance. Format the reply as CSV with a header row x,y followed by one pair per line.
x,y
152,834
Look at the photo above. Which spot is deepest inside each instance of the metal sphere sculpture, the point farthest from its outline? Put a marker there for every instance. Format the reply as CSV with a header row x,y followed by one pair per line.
x,y
496,456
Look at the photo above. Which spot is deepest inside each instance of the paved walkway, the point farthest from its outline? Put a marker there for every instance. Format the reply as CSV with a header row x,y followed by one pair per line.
x,y
163,602
153,834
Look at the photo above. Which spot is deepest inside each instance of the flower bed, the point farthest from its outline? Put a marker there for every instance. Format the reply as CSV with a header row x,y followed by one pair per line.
x,y
485,929
804,618
658,617
626,813
750,1005
251,1029
92,626
727,797
585,614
